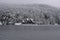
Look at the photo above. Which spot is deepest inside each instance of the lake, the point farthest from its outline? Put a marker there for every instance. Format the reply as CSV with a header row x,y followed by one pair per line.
x,y
42,32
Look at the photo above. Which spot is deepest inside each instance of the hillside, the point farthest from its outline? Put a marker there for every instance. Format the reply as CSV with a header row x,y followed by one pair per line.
x,y
39,12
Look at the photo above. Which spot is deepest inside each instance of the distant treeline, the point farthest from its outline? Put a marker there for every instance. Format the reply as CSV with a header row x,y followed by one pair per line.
x,y
41,15
42,19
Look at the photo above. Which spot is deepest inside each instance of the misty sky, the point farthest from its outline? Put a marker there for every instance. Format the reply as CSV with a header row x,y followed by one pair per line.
x,y
55,3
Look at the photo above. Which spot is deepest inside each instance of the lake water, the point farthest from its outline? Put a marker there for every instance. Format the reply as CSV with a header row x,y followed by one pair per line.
x,y
30,32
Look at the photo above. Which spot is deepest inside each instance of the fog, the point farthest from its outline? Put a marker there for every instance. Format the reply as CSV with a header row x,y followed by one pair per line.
x,y
54,3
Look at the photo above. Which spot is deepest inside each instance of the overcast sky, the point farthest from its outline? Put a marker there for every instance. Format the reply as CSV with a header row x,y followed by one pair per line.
x,y
55,3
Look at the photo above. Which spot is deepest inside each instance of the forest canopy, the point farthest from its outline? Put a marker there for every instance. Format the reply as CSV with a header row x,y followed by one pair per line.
x,y
41,14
